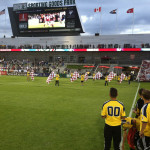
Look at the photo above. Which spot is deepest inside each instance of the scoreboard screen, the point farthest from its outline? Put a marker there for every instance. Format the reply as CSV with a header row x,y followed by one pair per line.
x,y
45,21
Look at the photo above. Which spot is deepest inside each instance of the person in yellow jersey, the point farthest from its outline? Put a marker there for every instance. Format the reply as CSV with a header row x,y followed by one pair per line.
x,y
57,79
71,74
145,120
82,79
106,80
93,76
133,124
139,104
28,75
113,112
118,79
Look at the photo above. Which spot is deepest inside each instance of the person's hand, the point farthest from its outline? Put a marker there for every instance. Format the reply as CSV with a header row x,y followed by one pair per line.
x,y
141,134
134,111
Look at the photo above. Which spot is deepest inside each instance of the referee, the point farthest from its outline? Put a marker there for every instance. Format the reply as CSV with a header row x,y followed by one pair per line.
x,y
113,111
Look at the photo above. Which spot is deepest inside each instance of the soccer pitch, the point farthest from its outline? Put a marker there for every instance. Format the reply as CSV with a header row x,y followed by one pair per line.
x,y
38,116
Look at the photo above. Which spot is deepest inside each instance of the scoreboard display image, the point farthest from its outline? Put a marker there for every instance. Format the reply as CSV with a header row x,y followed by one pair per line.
x,y
45,21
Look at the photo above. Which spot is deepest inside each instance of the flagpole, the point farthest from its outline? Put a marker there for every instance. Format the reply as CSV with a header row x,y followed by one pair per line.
x,y
101,22
133,23
5,21
116,21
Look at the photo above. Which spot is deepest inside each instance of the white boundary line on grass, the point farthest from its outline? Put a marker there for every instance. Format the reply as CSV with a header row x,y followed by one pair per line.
x,y
130,114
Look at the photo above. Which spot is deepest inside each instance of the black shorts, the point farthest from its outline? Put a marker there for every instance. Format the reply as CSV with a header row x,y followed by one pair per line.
x,y
57,81
82,81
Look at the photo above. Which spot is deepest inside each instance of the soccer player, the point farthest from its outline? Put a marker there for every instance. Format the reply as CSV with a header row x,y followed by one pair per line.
x,y
113,111
145,120
133,124
28,75
57,79
118,79
82,79
139,104
106,80
71,74
129,79
94,77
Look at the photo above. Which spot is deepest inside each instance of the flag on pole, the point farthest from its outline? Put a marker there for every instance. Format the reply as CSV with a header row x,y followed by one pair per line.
x,y
86,76
75,76
130,10
97,9
113,11
122,77
98,75
32,75
111,76
2,12
50,77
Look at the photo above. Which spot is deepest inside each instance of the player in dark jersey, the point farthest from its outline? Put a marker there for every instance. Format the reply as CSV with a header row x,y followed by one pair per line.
x,y
113,111
139,104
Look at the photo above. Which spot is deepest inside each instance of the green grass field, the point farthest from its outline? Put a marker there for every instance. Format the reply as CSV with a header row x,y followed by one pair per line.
x,y
38,116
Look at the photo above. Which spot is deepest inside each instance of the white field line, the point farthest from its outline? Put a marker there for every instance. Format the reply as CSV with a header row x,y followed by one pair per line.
x,y
130,114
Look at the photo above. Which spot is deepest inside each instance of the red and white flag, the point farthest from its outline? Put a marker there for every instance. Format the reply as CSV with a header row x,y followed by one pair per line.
x,y
32,75
122,77
50,77
75,76
86,76
130,10
2,12
97,9
111,76
98,75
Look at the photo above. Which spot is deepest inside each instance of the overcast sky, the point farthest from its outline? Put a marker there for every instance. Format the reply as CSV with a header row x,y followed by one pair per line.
x,y
91,21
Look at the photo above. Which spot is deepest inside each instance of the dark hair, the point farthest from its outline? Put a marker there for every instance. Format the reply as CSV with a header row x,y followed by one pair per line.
x,y
113,92
146,94
140,91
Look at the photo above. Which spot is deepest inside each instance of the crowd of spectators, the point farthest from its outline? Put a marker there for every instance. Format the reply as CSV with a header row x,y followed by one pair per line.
x,y
20,67
80,46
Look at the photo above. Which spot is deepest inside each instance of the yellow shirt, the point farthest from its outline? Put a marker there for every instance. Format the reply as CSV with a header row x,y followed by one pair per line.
x,y
129,77
71,75
28,73
93,75
113,110
145,117
128,123
82,78
106,78
57,77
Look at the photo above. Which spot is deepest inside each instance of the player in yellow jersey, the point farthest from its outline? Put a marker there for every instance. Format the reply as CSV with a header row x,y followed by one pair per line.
x,y
145,120
118,79
82,79
106,80
113,112
71,74
93,76
133,124
57,80
28,75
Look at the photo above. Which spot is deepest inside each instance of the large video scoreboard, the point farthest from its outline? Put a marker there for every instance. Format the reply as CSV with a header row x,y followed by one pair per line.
x,y
45,19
